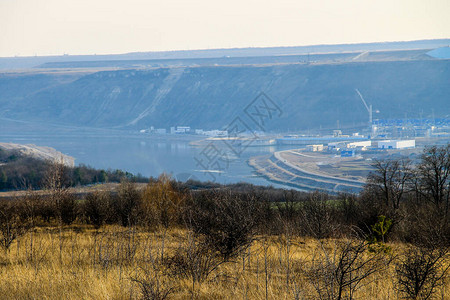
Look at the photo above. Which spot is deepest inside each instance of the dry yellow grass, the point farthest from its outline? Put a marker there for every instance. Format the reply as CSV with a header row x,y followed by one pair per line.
x,y
81,263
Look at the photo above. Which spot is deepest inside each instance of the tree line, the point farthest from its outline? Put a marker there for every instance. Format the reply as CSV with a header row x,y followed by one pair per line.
x,y
20,172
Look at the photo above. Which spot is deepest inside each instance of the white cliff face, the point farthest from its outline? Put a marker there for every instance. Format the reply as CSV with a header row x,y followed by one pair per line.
x,y
162,91
40,152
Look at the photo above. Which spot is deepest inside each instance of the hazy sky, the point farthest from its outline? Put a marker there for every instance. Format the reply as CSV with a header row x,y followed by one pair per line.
x,y
43,27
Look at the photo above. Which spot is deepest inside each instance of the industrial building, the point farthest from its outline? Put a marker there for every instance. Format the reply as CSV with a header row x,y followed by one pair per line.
x,y
396,144
154,130
160,131
180,130
211,132
362,144
314,148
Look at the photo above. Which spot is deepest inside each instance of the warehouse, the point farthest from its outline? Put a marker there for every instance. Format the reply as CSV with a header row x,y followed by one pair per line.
x,y
396,144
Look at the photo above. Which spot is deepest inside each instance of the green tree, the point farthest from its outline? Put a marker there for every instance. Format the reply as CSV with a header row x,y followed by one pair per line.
x,y
379,232
103,177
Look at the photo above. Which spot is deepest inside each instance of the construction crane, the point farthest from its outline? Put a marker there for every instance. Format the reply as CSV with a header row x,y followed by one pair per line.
x,y
368,107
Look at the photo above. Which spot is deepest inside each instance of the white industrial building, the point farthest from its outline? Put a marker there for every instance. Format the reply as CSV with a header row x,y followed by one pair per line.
x,y
160,131
183,129
211,133
336,146
180,129
314,148
153,130
362,144
396,144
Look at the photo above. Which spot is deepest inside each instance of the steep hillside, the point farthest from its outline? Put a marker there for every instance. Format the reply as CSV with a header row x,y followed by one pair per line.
x,y
310,95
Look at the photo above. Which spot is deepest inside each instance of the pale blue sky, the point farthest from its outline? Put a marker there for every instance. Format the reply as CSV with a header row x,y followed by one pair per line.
x,y
32,27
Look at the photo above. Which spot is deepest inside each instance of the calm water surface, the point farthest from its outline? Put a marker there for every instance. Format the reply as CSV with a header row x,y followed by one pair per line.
x,y
152,155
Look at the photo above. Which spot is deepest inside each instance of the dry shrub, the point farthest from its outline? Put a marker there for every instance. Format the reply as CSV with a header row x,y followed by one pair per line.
x,y
193,259
127,203
153,285
227,222
318,216
97,208
422,270
13,223
338,271
162,204
116,248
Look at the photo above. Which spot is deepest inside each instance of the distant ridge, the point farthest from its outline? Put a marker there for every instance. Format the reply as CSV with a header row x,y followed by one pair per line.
x,y
33,61
313,58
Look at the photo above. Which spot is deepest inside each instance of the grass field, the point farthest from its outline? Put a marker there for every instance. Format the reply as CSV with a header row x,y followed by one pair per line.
x,y
79,262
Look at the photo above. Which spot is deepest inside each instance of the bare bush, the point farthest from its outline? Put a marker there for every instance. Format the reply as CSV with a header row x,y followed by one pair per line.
x,y
338,272
68,208
97,208
13,223
194,259
421,270
227,222
116,248
425,225
152,285
127,203
162,203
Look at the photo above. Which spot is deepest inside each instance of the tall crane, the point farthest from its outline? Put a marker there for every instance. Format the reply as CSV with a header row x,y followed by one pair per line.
x,y
368,107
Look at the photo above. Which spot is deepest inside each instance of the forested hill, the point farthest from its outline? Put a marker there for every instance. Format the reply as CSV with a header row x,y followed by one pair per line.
x,y
310,95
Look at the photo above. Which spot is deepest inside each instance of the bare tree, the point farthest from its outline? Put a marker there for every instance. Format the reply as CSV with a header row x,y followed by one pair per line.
x,y
434,175
317,216
391,180
61,200
57,177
